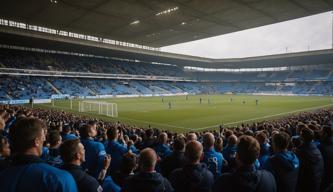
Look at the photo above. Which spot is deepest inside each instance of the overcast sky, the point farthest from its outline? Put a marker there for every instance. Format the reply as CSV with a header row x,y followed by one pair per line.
x,y
314,32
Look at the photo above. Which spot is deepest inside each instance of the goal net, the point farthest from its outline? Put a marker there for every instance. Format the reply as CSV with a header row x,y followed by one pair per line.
x,y
102,108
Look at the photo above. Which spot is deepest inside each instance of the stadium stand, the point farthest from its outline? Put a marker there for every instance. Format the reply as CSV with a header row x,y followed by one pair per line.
x,y
298,81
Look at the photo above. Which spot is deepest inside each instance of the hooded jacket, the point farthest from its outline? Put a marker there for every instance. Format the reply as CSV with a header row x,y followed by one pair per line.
x,y
284,166
84,182
174,161
192,178
147,182
326,149
246,179
311,168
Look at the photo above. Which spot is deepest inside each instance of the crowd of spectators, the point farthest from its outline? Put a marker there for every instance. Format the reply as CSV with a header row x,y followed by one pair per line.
x,y
46,150
10,58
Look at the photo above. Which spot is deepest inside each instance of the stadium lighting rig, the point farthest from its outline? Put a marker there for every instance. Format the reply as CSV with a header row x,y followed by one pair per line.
x,y
167,11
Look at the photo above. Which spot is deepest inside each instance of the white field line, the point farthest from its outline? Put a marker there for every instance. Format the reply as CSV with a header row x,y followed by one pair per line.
x,y
263,117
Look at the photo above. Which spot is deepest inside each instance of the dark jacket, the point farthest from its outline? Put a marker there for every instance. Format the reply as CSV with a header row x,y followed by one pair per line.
x,y
84,182
284,166
4,163
311,168
192,178
246,179
326,149
147,182
119,178
174,161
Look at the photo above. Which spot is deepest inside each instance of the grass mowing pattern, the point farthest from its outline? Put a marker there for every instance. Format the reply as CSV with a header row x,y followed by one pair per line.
x,y
186,115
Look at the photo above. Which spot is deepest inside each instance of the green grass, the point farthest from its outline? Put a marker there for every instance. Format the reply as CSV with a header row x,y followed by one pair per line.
x,y
186,115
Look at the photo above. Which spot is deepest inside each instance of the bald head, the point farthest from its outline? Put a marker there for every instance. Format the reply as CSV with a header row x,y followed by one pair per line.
x,y
191,137
208,140
193,152
147,160
163,138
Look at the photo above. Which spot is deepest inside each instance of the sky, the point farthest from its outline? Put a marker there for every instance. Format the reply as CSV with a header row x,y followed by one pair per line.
x,y
303,34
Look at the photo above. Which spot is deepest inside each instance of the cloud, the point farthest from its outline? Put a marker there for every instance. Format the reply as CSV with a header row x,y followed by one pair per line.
x,y
312,32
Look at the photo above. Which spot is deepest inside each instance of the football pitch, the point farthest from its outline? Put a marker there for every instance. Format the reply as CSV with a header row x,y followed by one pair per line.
x,y
189,115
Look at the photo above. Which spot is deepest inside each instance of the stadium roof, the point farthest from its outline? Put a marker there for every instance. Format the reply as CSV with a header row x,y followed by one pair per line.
x,y
32,39
160,22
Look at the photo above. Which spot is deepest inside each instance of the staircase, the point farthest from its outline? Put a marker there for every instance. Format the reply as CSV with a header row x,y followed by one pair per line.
x,y
177,88
313,87
158,90
53,87
9,97
329,74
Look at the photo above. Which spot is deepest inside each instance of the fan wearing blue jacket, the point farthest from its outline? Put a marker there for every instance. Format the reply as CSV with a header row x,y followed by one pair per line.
x,y
28,172
229,152
213,159
115,149
265,148
66,133
162,149
283,164
94,151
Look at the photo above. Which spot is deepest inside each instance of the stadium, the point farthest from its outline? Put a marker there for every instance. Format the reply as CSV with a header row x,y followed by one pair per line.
x,y
90,98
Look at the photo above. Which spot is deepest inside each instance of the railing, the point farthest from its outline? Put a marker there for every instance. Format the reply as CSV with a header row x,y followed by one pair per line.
x,y
47,73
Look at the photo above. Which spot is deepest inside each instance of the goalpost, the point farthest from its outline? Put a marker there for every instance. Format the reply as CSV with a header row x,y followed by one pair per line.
x,y
67,103
102,108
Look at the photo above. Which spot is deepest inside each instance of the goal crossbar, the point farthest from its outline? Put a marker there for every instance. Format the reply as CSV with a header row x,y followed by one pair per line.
x,y
101,108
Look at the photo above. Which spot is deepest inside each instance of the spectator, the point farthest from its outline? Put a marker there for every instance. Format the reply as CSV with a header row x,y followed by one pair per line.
x,y
284,164
27,137
176,159
265,148
2,127
147,179
4,153
149,140
213,159
191,137
54,139
94,151
66,133
246,177
73,154
326,149
219,145
162,149
311,163
127,167
115,149
229,152
195,176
